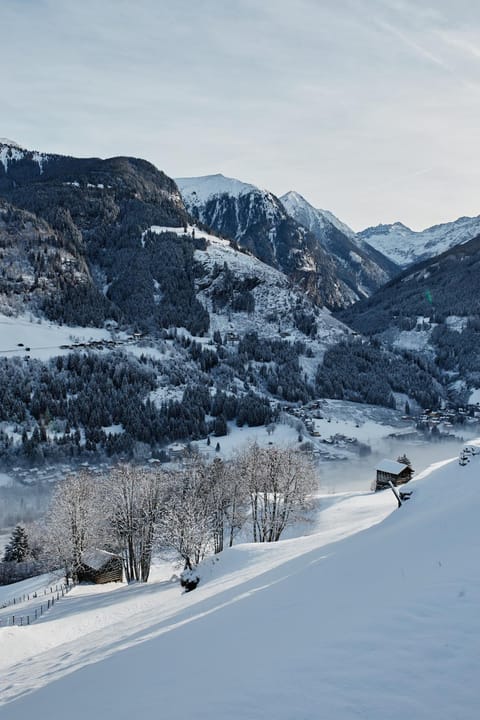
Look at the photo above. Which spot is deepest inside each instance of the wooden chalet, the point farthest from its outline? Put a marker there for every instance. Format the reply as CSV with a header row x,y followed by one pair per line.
x,y
100,566
390,471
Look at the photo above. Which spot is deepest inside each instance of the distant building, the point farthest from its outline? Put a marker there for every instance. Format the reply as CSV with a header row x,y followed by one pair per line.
x,y
100,566
177,450
390,471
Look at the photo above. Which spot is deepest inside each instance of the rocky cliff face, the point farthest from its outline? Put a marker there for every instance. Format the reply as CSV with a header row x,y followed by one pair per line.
x,y
361,268
258,222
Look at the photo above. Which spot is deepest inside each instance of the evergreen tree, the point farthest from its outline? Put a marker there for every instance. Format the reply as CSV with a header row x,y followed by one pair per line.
x,y
17,549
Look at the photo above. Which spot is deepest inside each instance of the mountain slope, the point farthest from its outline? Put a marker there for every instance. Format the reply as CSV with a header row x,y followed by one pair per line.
x,y
407,247
98,210
35,261
309,625
433,308
437,288
259,223
362,268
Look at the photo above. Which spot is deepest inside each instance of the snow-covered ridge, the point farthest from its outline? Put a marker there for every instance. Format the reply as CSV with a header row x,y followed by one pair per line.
x,y
11,152
198,190
405,246
295,204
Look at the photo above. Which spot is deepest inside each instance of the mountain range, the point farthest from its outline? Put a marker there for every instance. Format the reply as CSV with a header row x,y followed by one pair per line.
x,y
258,222
406,247
237,294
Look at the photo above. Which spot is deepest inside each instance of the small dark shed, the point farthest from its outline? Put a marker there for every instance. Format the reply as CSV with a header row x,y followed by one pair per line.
x,y
390,471
100,566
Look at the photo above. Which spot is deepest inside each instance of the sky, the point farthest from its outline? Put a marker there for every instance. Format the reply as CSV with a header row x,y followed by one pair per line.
x,y
368,108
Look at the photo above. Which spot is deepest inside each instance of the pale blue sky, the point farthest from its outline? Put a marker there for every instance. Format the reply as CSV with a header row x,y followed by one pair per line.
x,y
370,108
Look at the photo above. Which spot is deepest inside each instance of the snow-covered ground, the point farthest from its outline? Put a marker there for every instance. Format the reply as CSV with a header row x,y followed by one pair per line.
x,y
373,615
41,340
475,397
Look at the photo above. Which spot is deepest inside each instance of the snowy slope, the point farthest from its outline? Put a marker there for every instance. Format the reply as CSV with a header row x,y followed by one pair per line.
x,y
405,246
380,624
275,296
23,336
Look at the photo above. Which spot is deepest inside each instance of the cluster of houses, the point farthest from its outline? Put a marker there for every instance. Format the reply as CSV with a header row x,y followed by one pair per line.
x,y
103,344
448,417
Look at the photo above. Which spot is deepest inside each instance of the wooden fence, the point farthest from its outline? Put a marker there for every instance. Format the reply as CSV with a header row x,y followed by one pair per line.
x,y
27,616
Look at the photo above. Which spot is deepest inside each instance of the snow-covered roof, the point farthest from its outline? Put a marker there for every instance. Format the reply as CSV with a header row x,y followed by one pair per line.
x,y
391,466
96,559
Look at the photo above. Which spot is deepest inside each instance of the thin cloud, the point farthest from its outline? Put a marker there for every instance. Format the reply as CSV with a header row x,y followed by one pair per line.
x,y
419,49
459,42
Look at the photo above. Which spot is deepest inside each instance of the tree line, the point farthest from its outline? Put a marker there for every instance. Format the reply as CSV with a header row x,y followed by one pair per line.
x,y
198,508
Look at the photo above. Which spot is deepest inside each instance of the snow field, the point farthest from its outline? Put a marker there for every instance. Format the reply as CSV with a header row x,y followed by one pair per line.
x,y
340,624
94,615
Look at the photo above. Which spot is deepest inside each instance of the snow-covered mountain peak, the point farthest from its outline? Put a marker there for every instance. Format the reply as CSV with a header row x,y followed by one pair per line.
x,y
299,208
296,205
292,197
198,190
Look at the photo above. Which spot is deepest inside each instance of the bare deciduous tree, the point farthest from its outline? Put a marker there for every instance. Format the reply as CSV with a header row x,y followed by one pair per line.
x,y
279,483
186,525
133,501
73,521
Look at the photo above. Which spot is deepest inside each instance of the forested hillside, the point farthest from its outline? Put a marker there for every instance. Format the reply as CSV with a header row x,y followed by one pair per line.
x,y
434,308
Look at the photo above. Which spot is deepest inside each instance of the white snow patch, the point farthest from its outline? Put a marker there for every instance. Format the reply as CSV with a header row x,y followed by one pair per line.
x,y
113,429
474,398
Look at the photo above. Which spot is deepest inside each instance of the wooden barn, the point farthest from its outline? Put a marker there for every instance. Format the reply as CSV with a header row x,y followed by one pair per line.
x,y
100,566
390,471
